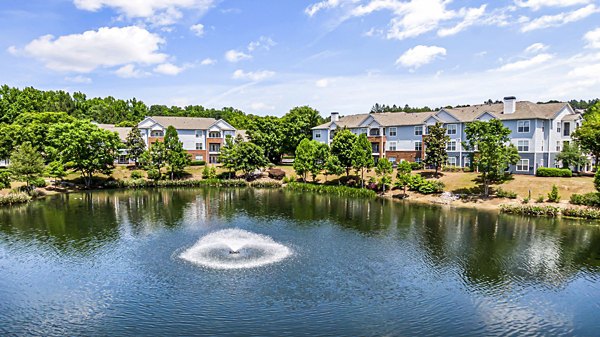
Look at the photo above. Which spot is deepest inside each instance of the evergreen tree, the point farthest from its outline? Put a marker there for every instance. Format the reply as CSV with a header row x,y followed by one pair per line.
x,y
435,143
341,147
135,145
26,163
176,157
362,156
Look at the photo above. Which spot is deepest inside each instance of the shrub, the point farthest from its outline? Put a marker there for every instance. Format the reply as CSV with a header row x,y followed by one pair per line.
x,y
290,179
351,181
540,199
500,193
197,163
526,200
4,179
530,210
209,172
265,184
553,172
419,184
275,173
14,198
585,213
141,183
588,199
38,182
597,179
416,166
331,189
553,196
448,168
153,174
137,175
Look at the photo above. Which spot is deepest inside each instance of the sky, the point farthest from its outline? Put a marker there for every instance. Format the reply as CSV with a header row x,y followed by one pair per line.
x,y
268,56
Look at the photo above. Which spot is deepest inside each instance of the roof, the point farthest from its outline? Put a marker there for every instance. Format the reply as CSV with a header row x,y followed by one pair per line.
x,y
121,131
185,123
384,118
574,117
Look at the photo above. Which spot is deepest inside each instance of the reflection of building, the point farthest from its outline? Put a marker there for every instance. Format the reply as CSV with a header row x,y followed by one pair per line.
x,y
538,131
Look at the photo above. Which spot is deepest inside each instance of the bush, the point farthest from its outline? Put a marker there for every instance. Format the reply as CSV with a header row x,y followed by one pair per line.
x,y
265,184
38,182
276,173
419,184
197,163
331,189
500,193
351,181
553,196
530,210
588,199
141,183
14,198
209,172
597,179
553,172
290,179
137,175
153,174
416,166
540,199
4,179
448,168
585,213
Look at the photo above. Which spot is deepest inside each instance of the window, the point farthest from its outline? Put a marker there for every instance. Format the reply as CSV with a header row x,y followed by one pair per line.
x,y
392,159
199,146
558,146
451,161
375,147
393,132
418,160
198,133
317,134
214,134
418,130
451,145
558,127
523,145
156,133
199,157
523,165
418,146
392,146
123,159
523,126
213,159
331,134
215,147
374,132
567,129
451,129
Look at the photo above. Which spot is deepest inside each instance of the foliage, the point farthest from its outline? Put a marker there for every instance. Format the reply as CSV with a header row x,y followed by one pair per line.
x,y
362,156
331,189
140,183
304,158
435,143
319,158
500,193
176,157
153,174
265,184
14,198
553,196
540,199
135,145
553,172
56,170
584,213
397,108
38,182
418,184
572,156
332,166
530,210
209,172
492,154
249,157
588,199
267,132
403,177
588,134
341,147
384,170
26,163
227,157
197,163
137,175
597,179
416,166
4,179
297,124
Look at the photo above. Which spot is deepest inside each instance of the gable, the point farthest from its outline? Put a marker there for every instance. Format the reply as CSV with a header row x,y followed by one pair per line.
x,y
432,120
446,117
369,122
221,125
486,116
149,123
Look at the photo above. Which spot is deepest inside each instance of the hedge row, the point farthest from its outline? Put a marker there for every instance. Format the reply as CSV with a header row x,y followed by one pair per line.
x,y
331,189
14,198
141,183
531,210
588,199
553,172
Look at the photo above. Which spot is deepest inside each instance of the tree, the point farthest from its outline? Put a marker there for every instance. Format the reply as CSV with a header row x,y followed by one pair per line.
x,y
572,156
266,132
154,158
319,157
333,166
341,147
588,134
362,156
404,175
435,147
303,158
176,157
493,152
227,157
26,163
597,180
249,157
297,125
85,147
56,170
135,145
384,169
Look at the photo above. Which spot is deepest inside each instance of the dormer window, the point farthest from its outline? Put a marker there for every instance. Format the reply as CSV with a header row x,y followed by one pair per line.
x,y
374,132
214,134
156,133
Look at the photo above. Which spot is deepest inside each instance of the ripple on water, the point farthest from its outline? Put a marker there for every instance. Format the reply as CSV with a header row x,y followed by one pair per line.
x,y
235,249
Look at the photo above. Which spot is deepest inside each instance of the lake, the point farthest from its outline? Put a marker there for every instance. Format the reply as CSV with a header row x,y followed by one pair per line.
x,y
112,263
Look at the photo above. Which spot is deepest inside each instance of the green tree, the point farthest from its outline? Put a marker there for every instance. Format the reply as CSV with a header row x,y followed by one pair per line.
x,y
154,159
176,157
266,132
26,163
297,125
85,147
572,156
362,157
56,170
227,157
493,151
341,147
249,158
384,169
435,143
304,158
588,134
333,166
319,157
597,179
135,145
404,175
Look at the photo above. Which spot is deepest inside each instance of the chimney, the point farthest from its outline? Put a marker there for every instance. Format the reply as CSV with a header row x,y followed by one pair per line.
x,y
335,116
510,104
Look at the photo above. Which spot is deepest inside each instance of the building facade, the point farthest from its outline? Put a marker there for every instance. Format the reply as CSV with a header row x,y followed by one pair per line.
x,y
539,131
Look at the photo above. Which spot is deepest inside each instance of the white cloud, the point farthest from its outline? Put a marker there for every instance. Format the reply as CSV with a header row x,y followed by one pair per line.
x,y
252,76
535,48
168,69
198,29
236,56
471,17
537,4
527,63
160,12
322,83
257,106
560,19
208,62
592,38
106,47
263,42
79,79
130,71
321,5
420,55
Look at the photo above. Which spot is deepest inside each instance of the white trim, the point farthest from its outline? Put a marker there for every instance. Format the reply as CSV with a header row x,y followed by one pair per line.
x,y
528,126
519,164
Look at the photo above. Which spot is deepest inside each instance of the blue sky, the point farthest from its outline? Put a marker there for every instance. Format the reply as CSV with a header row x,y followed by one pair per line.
x,y
267,56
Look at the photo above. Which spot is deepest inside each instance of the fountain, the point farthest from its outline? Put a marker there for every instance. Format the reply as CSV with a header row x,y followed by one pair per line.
x,y
235,249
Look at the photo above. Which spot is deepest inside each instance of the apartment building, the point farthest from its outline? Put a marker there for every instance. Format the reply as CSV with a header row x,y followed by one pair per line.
x,y
537,130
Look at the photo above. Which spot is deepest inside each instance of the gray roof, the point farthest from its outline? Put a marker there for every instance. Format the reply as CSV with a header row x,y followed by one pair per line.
x,y
185,123
385,118
121,131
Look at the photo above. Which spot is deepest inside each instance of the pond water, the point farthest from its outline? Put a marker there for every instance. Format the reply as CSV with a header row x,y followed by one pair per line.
x,y
135,263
